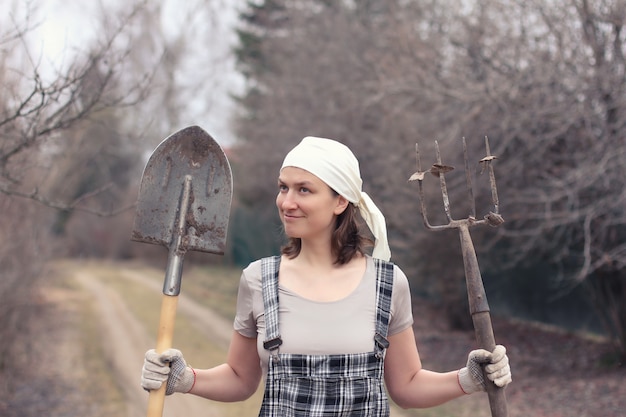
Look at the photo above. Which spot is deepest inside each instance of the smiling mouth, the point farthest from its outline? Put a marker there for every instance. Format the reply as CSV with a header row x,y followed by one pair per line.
x,y
290,216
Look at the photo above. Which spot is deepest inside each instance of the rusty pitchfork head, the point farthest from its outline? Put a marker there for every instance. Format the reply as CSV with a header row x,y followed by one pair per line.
x,y
438,169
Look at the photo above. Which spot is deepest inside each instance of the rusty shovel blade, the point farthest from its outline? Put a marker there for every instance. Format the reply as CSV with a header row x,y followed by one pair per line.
x,y
187,172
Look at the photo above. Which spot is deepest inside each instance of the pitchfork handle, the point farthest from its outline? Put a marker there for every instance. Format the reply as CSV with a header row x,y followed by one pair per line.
x,y
484,335
479,309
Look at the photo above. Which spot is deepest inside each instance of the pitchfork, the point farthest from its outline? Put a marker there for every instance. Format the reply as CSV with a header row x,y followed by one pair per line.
x,y
478,305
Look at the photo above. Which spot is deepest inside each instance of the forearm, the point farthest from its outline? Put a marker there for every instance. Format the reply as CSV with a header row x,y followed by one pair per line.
x,y
223,384
427,389
411,386
235,380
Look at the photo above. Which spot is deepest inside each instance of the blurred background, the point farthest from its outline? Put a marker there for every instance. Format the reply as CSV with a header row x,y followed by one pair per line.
x,y
89,89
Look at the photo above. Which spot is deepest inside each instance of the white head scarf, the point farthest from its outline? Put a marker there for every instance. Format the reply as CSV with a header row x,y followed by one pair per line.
x,y
335,164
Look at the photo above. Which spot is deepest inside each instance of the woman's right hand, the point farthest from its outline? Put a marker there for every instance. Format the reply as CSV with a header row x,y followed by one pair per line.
x,y
168,366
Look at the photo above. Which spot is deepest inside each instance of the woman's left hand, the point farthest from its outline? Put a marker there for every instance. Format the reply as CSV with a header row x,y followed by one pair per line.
x,y
497,369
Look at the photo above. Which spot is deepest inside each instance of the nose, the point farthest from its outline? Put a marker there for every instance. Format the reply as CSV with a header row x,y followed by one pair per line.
x,y
286,201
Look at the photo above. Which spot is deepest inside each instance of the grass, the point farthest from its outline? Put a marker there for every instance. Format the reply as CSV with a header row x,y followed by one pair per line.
x,y
212,286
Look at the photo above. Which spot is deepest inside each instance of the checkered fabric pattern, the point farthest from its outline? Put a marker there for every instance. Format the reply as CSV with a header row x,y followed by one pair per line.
x,y
325,385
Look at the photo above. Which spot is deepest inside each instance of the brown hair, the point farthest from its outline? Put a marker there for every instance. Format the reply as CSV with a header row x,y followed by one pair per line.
x,y
347,240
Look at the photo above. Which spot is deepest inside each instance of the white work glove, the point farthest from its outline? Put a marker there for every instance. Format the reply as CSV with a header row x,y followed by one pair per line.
x,y
497,369
168,366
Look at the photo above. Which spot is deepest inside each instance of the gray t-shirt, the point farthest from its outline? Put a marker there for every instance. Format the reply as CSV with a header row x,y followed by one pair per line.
x,y
321,328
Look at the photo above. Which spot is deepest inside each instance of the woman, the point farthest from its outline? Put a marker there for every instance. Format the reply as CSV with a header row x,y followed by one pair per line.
x,y
325,323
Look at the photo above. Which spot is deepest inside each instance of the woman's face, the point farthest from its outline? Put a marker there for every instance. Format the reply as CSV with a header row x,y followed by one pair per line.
x,y
306,205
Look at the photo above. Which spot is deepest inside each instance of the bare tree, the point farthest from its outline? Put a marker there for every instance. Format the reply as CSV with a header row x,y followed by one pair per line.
x,y
72,139
37,112
545,82
552,81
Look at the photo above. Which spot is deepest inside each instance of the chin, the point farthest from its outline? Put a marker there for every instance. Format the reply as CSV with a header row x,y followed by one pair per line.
x,y
291,233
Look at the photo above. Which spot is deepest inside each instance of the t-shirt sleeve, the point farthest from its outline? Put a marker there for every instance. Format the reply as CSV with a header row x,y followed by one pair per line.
x,y
401,308
245,323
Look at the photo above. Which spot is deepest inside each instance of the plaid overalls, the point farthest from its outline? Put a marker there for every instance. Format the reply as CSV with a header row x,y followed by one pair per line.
x,y
325,385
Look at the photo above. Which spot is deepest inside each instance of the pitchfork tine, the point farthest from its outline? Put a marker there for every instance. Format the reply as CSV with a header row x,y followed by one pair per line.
x,y
468,179
421,189
444,188
492,179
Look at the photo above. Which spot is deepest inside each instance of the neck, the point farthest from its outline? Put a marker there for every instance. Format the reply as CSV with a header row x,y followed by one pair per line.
x,y
317,254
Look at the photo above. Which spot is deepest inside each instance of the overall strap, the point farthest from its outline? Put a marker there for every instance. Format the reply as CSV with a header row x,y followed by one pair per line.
x,y
384,287
269,277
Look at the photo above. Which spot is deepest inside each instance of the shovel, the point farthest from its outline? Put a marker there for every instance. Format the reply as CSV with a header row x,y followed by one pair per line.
x,y
183,204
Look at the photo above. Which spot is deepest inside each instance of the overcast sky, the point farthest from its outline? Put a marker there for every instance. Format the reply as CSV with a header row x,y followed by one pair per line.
x,y
67,25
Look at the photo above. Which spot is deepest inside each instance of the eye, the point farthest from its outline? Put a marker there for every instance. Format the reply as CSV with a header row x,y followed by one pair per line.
x,y
304,190
282,187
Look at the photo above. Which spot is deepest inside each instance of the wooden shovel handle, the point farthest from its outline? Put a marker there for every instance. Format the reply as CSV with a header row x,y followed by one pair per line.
x,y
164,342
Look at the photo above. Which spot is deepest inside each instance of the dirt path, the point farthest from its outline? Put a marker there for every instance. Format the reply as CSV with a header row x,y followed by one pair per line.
x,y
131,339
